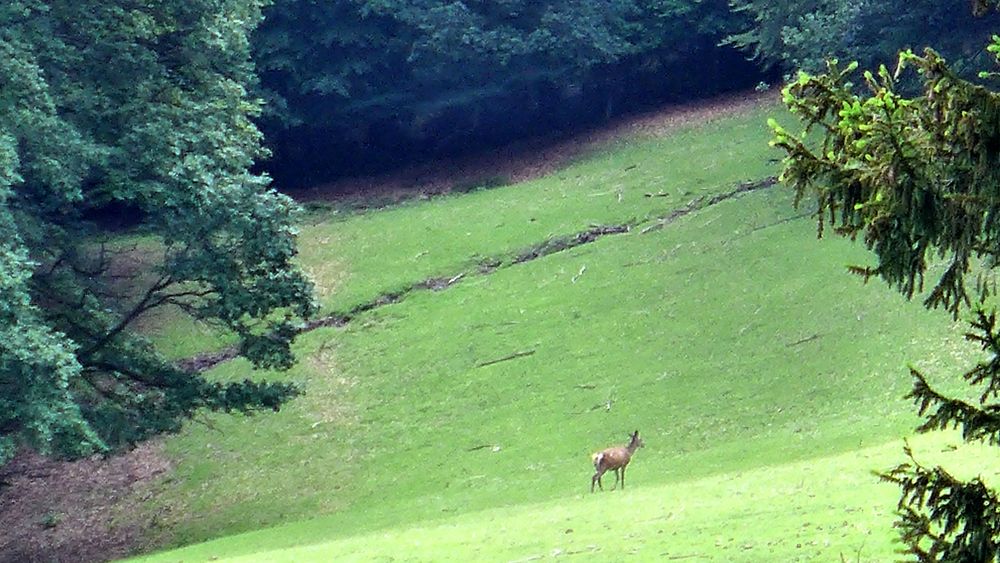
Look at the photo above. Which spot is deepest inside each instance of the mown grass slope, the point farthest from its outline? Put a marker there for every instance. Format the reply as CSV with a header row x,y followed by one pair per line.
x,y
765,381
772,513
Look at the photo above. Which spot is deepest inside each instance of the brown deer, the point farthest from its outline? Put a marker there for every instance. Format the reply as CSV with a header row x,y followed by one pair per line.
x,y
615,458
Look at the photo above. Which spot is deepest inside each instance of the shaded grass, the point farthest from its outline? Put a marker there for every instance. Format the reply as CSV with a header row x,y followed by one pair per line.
x,y
177,335
133,261
355,259
731,339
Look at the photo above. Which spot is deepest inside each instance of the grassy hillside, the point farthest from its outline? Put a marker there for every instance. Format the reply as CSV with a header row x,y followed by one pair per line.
x,y
457,424
355,257
771,513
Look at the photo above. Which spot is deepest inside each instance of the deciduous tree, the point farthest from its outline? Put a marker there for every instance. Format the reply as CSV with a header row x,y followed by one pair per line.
x,y
111,108
384,81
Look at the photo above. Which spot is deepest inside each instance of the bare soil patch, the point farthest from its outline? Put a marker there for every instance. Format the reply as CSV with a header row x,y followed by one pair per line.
x,y
81,511
525,160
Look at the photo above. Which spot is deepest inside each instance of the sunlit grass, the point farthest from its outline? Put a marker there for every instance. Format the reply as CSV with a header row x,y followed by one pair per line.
x,y
828,508
457,425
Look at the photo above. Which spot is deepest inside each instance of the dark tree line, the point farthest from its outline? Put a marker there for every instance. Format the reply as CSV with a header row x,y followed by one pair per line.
x,y
359,85
802,34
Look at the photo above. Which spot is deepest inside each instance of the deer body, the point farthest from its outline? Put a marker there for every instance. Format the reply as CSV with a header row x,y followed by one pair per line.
x,y
616,459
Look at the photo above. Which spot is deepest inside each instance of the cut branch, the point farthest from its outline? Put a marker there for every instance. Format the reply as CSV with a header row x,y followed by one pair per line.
x,y
513,356
802,340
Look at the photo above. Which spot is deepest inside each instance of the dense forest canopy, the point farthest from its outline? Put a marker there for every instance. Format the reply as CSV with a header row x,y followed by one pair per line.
x,y
356,85
802,34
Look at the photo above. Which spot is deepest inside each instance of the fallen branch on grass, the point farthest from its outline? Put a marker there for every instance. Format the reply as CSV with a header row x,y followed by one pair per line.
x,y
513,356
803,340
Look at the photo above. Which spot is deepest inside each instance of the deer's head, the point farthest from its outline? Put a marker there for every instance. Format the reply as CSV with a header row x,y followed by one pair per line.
x,y
636,441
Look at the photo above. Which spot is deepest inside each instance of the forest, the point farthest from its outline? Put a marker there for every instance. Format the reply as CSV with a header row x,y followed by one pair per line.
x,y
155,232
355,87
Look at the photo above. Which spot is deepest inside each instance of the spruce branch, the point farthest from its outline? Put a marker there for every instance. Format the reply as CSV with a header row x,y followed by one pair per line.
x,y
942,518
985,373
941,412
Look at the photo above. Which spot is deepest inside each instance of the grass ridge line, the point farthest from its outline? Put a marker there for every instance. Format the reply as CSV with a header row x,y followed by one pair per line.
x,y
206,361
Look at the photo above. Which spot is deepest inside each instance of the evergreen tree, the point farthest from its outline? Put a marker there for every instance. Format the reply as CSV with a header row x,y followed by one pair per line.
x,y
141,109
918,179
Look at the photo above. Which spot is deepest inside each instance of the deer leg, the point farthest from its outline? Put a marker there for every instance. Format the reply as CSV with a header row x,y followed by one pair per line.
x,y
623,478
596,479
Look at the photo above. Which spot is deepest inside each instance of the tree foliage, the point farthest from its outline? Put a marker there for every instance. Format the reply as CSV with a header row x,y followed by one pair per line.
x,y
383,82
918,180
118,108
407,78
390,57
396,56
801,34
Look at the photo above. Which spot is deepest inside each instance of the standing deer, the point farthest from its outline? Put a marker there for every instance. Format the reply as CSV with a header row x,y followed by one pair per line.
x,y
616,458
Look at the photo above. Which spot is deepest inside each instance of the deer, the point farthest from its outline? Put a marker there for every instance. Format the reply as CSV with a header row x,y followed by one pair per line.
x,y
615,458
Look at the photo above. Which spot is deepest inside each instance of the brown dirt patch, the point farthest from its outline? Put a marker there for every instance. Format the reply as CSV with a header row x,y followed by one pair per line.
x,y
82,511
525,160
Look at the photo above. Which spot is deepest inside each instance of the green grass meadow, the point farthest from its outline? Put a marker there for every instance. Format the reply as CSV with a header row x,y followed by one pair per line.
x,y
766,382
